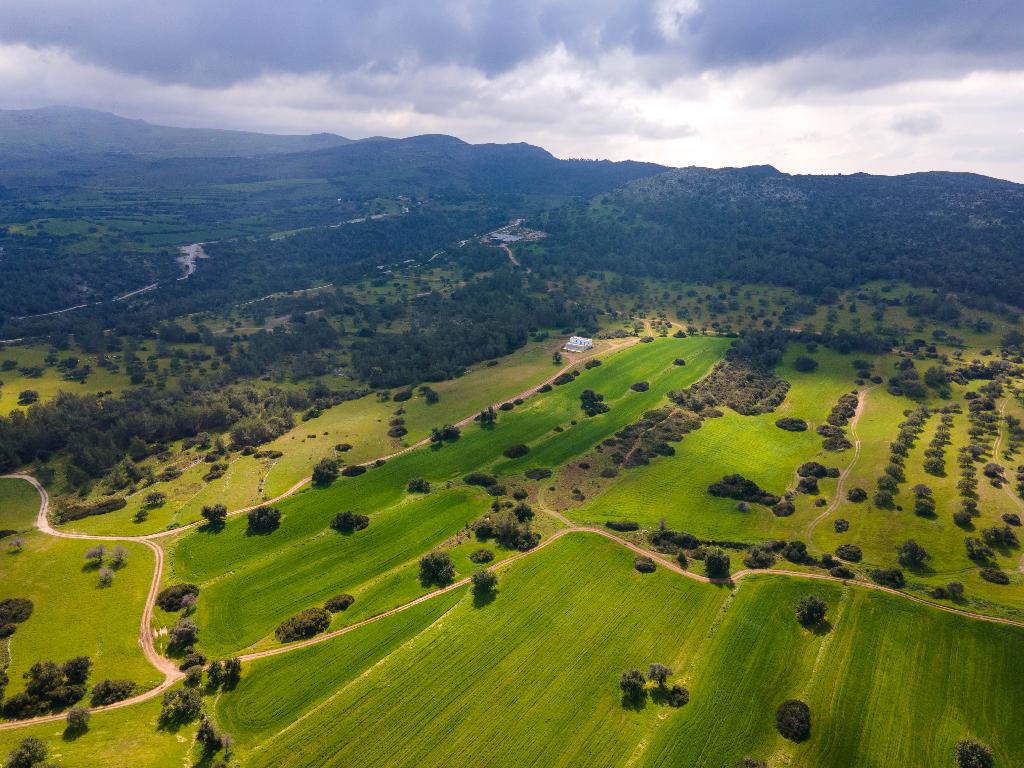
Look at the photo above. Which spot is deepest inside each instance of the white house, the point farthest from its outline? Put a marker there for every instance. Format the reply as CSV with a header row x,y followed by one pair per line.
x,y
578,344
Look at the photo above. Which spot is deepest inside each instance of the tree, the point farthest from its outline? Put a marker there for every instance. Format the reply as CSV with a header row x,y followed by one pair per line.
x,y
155,499
488,417
484,582
349,522
632,684
325,472
793,720
805,364
264,519
181,705
208,736
716,564
78,720
215,515
106,577
183,634
418,485
307,623
658,673
911,554
810,610
971,753
119,556
96,552
437,568
109,691
28,753
857,495
76,670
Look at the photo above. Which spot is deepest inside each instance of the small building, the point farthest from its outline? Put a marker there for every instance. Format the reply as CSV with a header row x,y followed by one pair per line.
x,y
578,344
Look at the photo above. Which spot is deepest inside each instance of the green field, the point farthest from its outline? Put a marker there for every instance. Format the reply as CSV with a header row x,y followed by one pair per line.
x,y
19,504
531,678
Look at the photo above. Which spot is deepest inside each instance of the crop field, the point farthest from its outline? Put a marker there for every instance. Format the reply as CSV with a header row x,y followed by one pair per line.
x,y
300,564
675,487
527,679
66,593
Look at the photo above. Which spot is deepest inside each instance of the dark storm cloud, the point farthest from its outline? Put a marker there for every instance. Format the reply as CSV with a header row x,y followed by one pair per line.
x,y
213,44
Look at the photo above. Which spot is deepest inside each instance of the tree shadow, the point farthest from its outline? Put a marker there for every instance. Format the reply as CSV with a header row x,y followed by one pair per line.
x,y
822,628
659,695
71,734
91,566
634,702
211,528
481,599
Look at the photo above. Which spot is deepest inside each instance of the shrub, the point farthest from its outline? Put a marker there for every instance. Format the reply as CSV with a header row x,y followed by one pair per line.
x,y
110,691
29,752
481,479
971,753
759,557
791,424
183,634
437,568
644,564
850,552
516,451
740,488
716,564
640,386
994,575
622,525
325,472
841,525
353,470
840,572
192,659
181,705
679,361
857,495
810,610
888,577
796,552
418,485
805,364
911,554
170,599
14,610
784,508
678,696
793,720
215,515
307,623
264,519
1011,518
339,603
78,720
481,556
538,473
349,522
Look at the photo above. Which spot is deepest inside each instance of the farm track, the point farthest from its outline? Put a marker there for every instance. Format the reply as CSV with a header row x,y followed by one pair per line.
x,y
172,674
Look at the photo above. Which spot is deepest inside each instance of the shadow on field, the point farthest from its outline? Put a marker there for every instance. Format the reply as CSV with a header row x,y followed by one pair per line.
x,y
481,599
822,628
634,703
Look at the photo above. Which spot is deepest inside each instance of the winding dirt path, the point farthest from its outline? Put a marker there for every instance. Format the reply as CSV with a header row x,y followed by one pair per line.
x,y
837,499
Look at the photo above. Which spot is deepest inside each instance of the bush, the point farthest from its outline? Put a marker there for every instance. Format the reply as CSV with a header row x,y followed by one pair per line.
x,y
14,610
173,598
192,659
307,623
740,488
349,522
481,479
437,568
78,720
644,564
325,472
791,424
796,552
353,470
1011,518
29,752
516,451
264,519
481,556
840,572
181,705
339,603
850,552
805,364
857,495
678,696
622,525
911,554
888,577
215,515
841,525
716,564
810,610
538,473
759,557
971,753
640,386
110,691
793,720
418,485
994,575
183,634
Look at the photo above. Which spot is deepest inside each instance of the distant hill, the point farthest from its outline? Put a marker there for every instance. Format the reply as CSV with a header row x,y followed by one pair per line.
x,y
959,232
27,134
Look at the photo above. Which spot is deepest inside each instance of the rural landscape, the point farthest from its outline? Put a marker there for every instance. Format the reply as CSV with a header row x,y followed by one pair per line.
x,y
320,451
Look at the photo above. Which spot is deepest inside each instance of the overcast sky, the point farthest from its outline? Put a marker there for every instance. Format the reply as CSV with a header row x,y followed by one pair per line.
x,y
822,86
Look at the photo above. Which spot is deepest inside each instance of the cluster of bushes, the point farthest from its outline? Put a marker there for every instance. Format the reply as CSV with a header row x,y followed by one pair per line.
x,y
177,596
307,623
13,611
639,442
791,424
349,522
634,687
888,577
67,510
418,485
810,472
741,489
509,527
593,403
644,564
339,603
622,525
935,454
833,438
437,568
49,686
844,410
111,691
325,472
516,451
448,433
747,389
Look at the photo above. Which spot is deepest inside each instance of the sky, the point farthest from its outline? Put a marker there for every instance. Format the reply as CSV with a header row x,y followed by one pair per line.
x,y
809,86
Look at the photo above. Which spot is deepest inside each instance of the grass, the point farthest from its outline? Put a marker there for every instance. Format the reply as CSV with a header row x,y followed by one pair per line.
x,y
50,382
546,654
73,615
127,736
675,488
19,504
